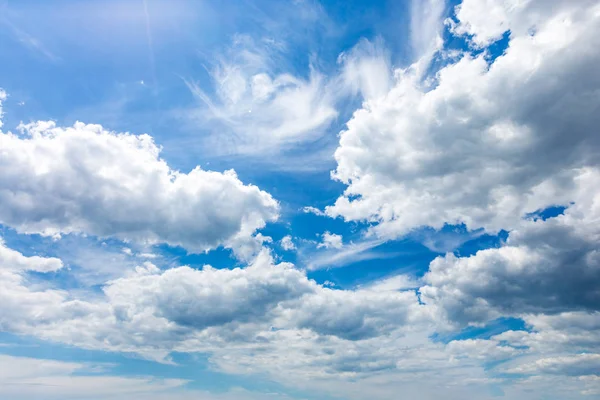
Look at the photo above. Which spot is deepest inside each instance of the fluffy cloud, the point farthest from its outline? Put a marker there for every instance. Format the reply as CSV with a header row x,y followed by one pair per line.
x,y
546,266
270,318
210,297
84,179
153,312
358,314
18,302
563,333
579,365
287,243
12,260
261,295
489,143
331,241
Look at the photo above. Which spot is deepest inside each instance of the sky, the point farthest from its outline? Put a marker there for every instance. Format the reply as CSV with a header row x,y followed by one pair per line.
x,y
299,200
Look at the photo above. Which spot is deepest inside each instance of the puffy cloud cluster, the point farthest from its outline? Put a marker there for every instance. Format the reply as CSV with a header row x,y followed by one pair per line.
x,y
546,266
153,312
331,241
489,143
271,318
85,179
287,243
493,142
13,261
210,297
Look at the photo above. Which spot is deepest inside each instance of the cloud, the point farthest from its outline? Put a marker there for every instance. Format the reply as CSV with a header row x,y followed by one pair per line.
x,y
12,260
394,283
85,179
271,318
30,42
24,378
578,365
486,21
152,312
489,143
313,210
366,69
211,297
33,378
356,315
331,241
255,108
349,253
546,266
426,23
287,243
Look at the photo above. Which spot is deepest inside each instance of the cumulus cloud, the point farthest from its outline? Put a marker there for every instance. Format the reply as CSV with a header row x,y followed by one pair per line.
x,y
20,303
489,143
270,318
210,297
12,260
546,266
85,179
579,365
287,243
153,312
358,314
331,241
487,146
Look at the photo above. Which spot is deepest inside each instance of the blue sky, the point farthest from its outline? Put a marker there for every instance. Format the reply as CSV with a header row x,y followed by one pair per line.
x,y
299,199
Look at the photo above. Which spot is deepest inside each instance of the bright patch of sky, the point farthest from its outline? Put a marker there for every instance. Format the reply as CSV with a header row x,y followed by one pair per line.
x,y
299,200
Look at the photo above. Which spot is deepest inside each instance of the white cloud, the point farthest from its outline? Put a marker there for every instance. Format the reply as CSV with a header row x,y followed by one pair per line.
x,y
366,69
331,241
488,144
484,147
579,365
2,98
394,283
313,210
349,253
211,297
488,20
287,243
84,179
23,378
255,109
269,318
12,260
425,25
548,266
